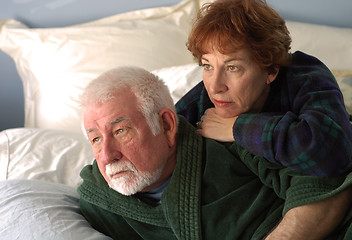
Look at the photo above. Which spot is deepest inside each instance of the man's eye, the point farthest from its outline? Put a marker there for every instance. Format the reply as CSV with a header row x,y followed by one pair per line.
x,y
120,131
96,140
207,67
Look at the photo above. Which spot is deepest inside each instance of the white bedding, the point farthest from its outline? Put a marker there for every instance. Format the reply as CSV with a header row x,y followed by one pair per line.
x,y
38,210
55,64
43,154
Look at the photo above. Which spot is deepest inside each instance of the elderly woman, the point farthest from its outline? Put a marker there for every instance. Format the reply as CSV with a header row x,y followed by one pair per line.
x,y
285,107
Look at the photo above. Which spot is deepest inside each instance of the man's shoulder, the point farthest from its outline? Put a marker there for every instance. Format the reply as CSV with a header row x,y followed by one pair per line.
x,y
92,179
89,171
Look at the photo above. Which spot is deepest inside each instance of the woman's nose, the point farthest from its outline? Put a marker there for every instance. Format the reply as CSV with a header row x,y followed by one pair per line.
x,y
217,83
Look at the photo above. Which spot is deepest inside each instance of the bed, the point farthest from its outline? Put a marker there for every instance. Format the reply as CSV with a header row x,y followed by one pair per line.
x,y
40,162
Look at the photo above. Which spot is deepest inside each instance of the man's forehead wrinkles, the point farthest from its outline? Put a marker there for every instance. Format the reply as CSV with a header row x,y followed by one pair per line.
x,y
89,130
117,120
112,122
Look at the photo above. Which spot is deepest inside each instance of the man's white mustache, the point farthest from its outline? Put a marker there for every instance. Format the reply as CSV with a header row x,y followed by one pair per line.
x,y
117,167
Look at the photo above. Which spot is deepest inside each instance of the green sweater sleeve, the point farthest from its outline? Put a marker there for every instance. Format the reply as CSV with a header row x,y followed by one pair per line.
x,y
295,188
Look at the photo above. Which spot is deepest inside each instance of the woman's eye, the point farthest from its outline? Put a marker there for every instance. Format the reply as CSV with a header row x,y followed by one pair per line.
x,y
207,67
232,68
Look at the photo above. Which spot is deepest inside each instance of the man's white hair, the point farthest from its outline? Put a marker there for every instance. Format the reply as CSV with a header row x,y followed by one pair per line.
x,y
151,92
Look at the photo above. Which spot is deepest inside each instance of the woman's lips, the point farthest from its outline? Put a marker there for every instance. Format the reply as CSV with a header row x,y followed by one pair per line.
x,y
219,103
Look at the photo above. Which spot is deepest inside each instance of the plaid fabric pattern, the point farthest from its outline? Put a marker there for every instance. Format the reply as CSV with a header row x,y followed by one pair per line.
x,y
303,125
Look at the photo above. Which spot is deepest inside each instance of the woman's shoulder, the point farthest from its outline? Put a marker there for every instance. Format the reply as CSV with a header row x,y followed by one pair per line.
x,y
190,97
307,63
305,69
193,104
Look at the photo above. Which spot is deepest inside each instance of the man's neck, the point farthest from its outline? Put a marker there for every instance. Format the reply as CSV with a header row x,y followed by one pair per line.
x,y
155,194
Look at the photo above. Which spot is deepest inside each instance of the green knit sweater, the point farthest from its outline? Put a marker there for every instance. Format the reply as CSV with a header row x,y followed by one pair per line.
x,y
217,191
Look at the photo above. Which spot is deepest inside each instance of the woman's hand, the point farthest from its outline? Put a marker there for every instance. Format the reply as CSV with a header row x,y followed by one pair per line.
x,y
218,128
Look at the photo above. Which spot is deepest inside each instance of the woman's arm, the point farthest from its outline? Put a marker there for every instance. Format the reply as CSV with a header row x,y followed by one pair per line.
x,y
313,205
313,221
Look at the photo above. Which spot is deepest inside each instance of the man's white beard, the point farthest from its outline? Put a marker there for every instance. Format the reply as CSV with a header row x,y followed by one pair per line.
x,y
133,181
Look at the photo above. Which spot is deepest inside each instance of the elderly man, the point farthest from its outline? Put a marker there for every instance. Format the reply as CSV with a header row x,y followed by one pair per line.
x,y
155,178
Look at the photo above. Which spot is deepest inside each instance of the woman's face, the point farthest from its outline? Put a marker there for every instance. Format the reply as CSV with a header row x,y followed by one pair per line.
x,y
235,83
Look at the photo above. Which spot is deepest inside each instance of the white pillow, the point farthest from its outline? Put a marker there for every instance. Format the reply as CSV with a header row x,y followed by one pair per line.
x,y
344,79
36,210
55,64
44,154
180,79
332,45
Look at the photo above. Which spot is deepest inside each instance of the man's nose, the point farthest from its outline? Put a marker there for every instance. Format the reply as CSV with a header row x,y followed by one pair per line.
x,y
110,152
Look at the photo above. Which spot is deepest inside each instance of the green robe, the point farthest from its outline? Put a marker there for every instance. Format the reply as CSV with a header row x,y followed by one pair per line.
x,y
217,191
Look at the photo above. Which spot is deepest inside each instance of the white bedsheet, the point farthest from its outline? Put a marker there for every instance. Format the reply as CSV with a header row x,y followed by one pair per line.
x,y
43,154
37,210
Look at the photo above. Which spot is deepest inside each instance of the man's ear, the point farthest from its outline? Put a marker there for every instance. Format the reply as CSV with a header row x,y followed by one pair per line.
x,y
272,75
168,125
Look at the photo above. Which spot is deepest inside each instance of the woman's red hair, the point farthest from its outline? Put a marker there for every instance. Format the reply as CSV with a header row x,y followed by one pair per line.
x,y
228,25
